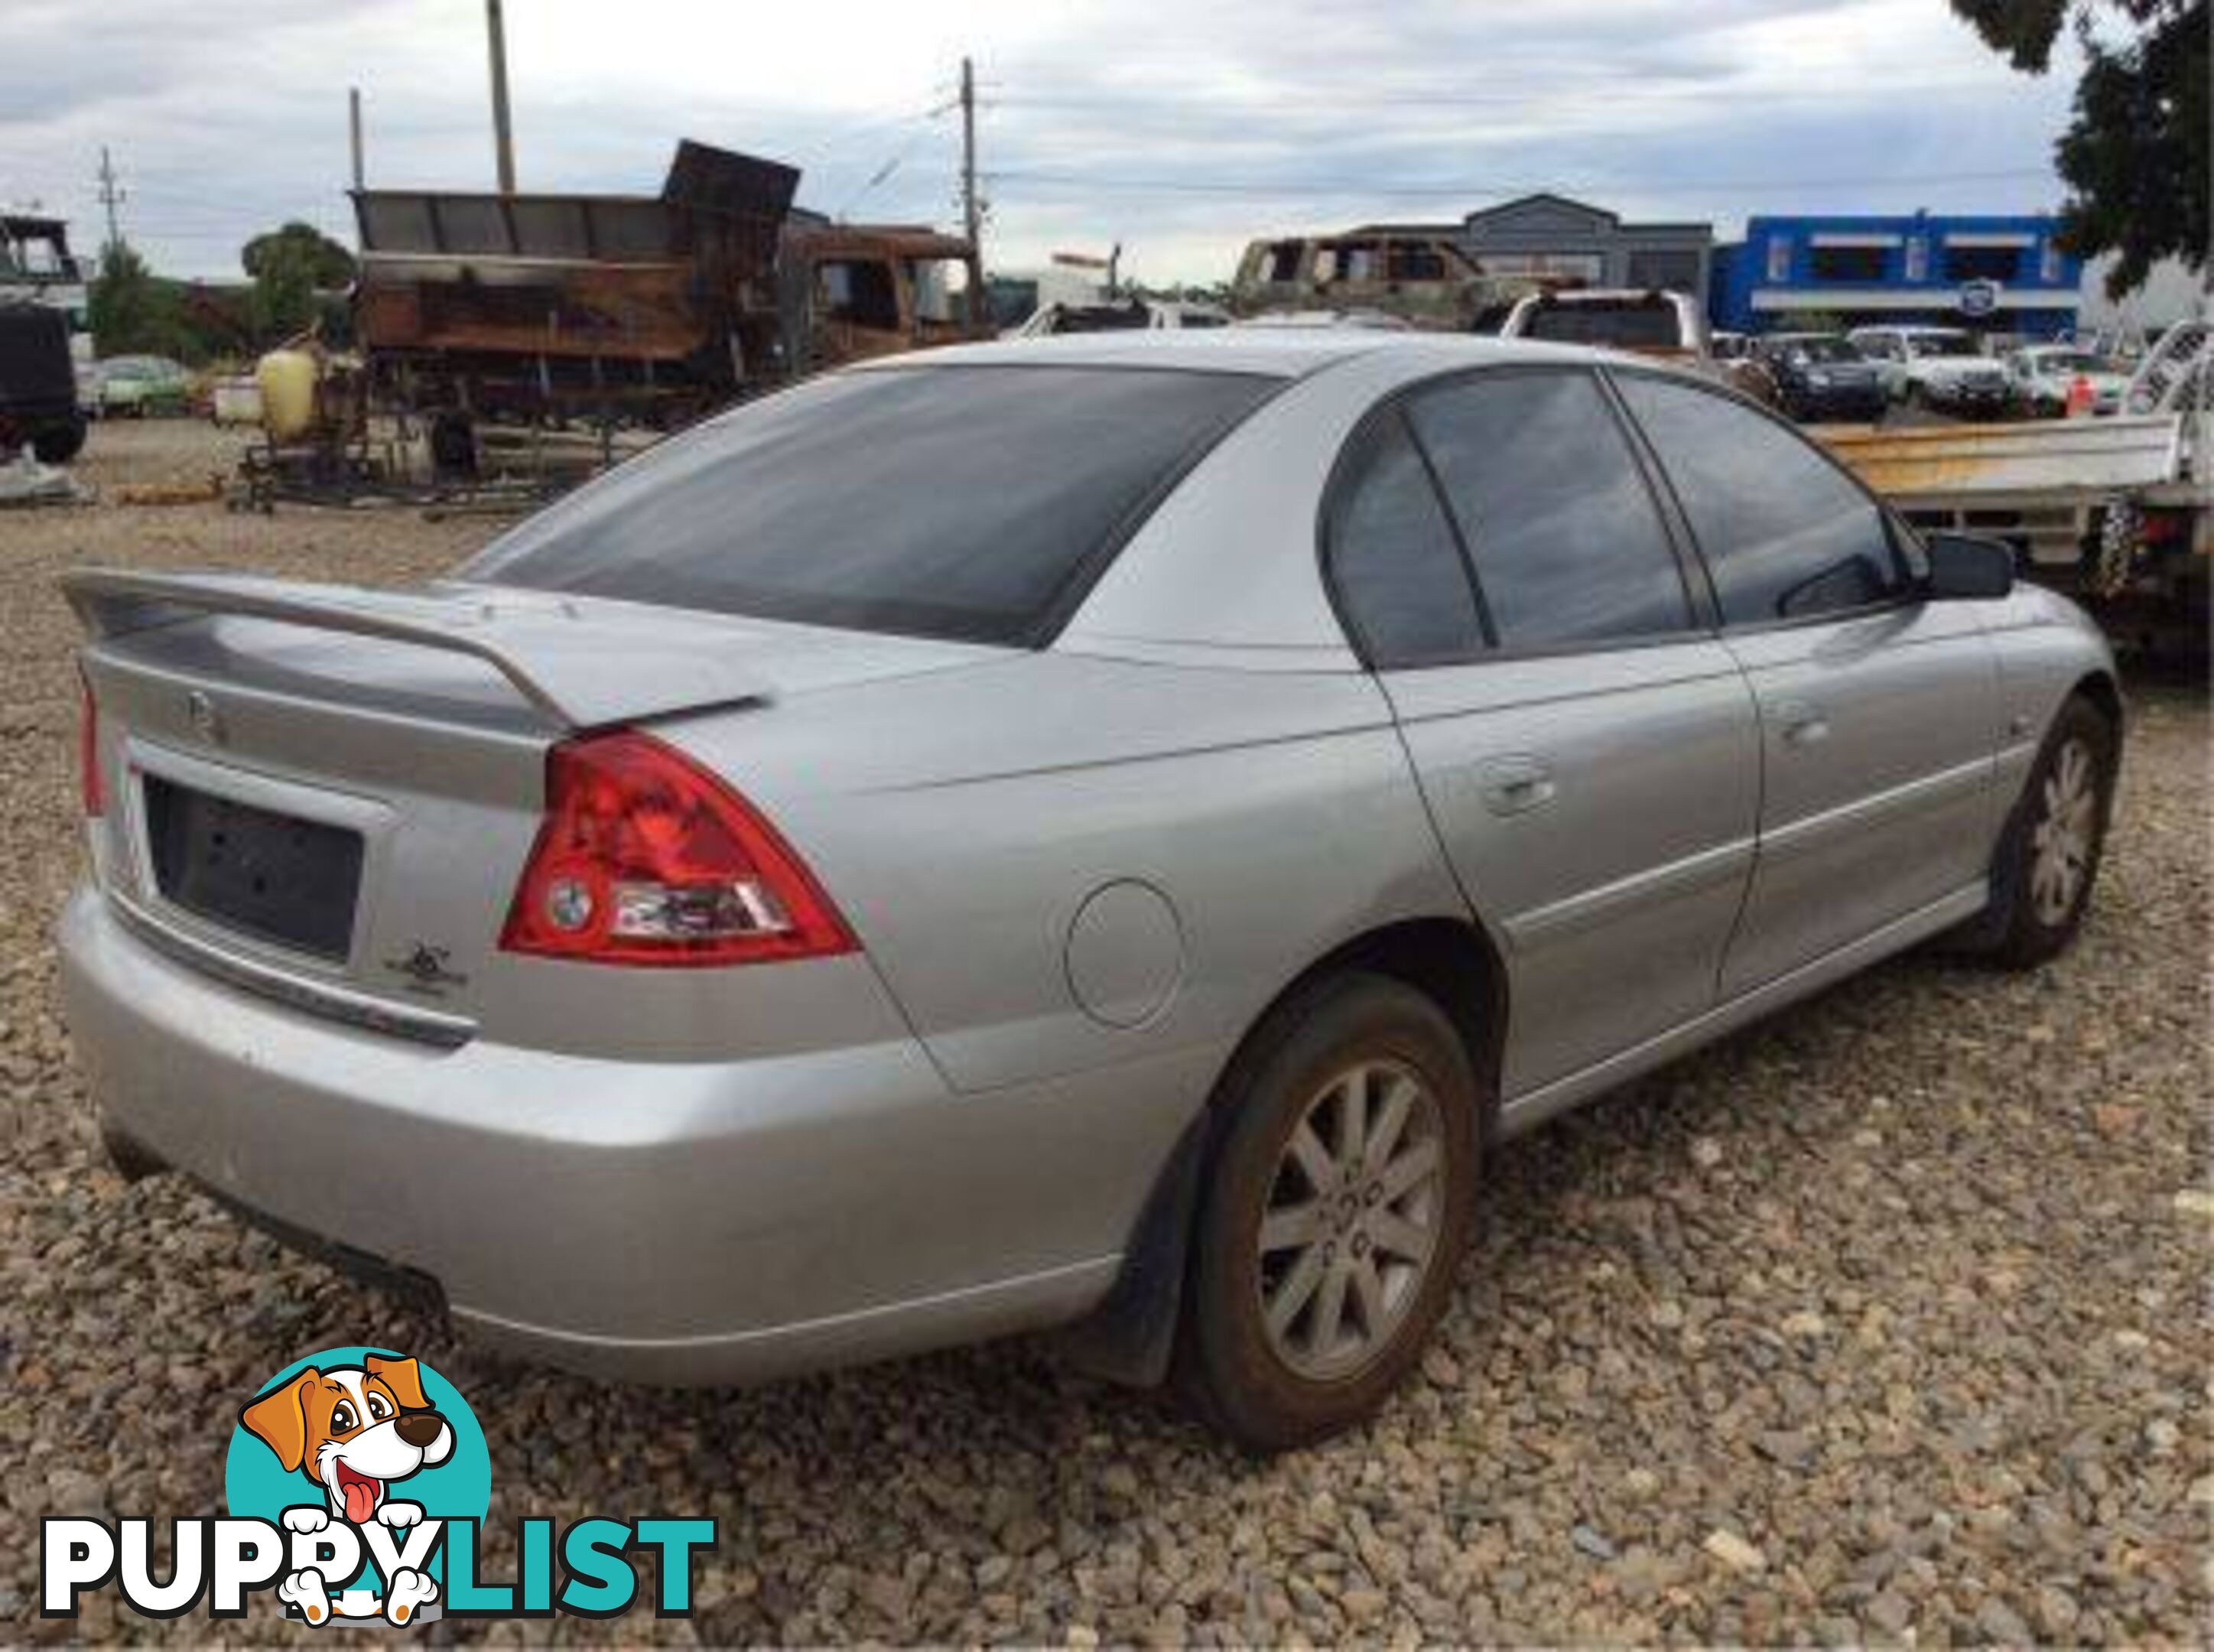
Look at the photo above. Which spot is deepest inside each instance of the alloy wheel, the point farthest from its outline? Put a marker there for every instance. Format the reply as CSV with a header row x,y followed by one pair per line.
x,y
2065,833
1354,1217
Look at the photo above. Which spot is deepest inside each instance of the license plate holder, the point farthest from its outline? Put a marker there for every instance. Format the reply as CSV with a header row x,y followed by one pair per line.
x,y
275,877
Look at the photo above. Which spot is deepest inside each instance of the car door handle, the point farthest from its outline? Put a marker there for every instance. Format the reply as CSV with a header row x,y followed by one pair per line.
x,y
1514,786
1800,722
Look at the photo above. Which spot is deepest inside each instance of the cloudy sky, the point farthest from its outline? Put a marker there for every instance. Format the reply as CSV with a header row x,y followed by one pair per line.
x,y
1180,129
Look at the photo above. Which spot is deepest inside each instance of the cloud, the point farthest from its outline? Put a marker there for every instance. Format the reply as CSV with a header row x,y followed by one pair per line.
x,y
1179,130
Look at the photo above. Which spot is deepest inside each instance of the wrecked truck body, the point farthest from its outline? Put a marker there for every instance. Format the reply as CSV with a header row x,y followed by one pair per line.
x,y
644,311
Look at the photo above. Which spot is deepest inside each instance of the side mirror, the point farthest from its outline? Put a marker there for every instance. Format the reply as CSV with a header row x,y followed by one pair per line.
x,y
1964,567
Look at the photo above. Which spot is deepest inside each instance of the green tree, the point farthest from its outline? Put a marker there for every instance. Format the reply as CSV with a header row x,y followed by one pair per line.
x,y
290,265
2136,154
130,312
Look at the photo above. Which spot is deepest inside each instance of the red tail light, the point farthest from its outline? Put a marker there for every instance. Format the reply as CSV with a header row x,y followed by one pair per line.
x,y
645,858
90,787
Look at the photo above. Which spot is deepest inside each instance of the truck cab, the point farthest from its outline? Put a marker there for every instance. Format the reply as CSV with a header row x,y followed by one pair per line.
x,y
1644,322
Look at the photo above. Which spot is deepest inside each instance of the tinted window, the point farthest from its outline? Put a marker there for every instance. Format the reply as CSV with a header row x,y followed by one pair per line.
x,y
946,501
1631,324
1398,576
1784,535
1567,544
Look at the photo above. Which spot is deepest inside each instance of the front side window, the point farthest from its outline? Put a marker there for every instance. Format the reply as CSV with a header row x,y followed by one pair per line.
x,y
957,502
861,290
1401,586
1561,527
1785,536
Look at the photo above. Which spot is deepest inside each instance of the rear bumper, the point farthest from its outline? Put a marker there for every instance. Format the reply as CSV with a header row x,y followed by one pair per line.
x,y
676,1222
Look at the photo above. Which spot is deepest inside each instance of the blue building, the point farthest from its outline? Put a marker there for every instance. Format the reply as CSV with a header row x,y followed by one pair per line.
x,y
1991,274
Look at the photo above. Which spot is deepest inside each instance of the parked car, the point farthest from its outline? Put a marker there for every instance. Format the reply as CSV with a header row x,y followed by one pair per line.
x,y
1425,280
1646,321
38,389
1941,368
2045,376
143,386
1118,315
1822,375
1103,831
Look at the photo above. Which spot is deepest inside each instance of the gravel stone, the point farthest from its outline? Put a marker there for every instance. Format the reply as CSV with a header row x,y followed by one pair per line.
x,y
1733,1552
1914,1295
1591,1543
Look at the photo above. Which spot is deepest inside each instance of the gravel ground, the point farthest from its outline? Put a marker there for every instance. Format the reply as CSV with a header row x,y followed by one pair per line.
x,y
1887,1321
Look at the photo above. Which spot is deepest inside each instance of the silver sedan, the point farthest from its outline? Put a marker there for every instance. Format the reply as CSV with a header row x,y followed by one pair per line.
x,y
1102,833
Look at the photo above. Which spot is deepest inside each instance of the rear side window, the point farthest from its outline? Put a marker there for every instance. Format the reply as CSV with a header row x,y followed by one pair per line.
x,y
1784,535
1567,543
1400,582
956,502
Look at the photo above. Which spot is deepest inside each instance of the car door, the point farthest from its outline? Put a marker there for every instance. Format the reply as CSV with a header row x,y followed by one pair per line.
x,y
1587,750
1877,708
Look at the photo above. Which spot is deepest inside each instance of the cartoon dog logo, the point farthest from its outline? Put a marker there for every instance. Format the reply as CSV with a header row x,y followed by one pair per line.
x,y
353,1431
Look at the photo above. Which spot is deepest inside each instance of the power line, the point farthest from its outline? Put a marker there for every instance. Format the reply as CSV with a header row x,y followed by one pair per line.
x,y
1289,102
1257,186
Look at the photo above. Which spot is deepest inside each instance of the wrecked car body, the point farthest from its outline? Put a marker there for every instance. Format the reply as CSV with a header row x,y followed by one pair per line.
x,y
1425,280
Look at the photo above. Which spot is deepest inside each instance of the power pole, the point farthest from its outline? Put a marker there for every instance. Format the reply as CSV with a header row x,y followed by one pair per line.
x,y
503,137
111,196
972,214
353,130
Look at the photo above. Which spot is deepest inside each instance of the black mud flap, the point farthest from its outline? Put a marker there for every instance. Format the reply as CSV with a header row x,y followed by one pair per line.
x,y
1130,1338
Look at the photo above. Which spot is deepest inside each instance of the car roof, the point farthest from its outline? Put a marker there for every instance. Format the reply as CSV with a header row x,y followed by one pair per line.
x,y
1287,353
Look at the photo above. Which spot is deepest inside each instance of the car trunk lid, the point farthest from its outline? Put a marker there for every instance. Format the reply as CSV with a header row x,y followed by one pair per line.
x,y
336,789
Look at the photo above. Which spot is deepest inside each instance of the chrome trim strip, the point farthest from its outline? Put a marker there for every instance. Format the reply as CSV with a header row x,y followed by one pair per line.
x,y
1556,1096
1926,791
331,1003
1695,872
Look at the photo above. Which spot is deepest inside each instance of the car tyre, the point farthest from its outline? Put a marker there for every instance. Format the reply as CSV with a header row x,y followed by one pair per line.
x,y
1336,1205
2049,856
58,441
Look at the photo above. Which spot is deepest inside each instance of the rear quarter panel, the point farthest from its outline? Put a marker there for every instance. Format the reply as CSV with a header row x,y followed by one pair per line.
x,y
962,820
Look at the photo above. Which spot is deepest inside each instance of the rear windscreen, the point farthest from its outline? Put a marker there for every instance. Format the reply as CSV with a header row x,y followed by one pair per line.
x,y
957,502
1630,327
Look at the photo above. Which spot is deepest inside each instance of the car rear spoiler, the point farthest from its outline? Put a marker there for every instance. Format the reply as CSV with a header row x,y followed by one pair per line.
x,y
581,661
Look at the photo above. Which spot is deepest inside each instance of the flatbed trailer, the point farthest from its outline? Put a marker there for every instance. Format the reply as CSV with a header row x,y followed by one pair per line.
x,y
2113,511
